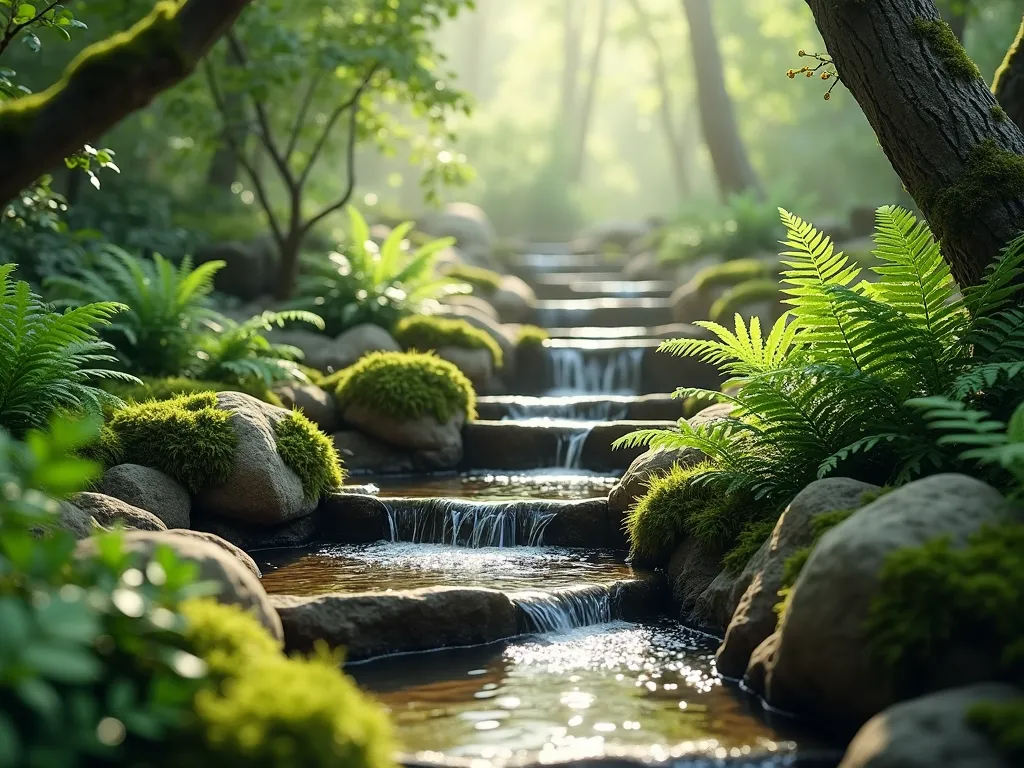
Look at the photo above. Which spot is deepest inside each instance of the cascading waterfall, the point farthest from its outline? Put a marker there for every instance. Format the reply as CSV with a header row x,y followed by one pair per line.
x,y
570,448
469,524
564,609
567,409
596,371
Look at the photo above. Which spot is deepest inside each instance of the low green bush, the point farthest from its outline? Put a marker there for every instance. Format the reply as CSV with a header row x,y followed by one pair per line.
x,y
425,333
737,297
406,385
484,281
1003,724
152,388
531,336
186,437
309,453
734,272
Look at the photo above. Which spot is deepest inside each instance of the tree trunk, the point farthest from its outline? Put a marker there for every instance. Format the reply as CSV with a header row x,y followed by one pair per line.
x,y
936,121
290,249
572,32
587,105
223,170
107,82
1008,85
733,169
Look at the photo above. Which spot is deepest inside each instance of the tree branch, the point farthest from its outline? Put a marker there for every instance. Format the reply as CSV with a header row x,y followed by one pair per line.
x,y
107,82
300,118
11,32
1008,85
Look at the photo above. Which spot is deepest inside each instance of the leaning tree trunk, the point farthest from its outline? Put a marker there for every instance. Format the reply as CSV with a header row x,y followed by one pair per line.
x,y
733,168
936,120
1008,86
589,92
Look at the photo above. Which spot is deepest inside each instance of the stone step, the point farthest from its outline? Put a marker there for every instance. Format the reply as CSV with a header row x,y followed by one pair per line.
x,y
660,332
608,312
657,407
523,445
526,265
582,287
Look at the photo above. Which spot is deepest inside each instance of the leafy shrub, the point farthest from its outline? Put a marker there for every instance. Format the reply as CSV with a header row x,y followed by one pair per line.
x,y
367,285
406,385
239,353
830,384
740,228
309,453
531,336
743,295
171,386
46,357
159,333
484,281
425,333
186,437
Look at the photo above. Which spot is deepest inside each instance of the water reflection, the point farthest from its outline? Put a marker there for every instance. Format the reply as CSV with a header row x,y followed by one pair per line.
x,y
615,689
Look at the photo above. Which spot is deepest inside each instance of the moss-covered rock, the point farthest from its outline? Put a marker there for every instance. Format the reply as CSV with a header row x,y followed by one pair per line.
x,y
309,453
426,333
166,388
484,281
531,336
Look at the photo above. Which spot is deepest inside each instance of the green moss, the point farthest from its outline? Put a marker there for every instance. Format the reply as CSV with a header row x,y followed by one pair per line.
x,y
265,710
425,333
942,41
106,450
406,385
309,453
991,174
936,599
743,295
1003,723
751,539
999,114
675,507
186,437
531,336
733,273
484,281
153,388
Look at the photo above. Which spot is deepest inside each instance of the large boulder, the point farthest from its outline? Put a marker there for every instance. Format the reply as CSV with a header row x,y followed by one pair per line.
x,y
110,512
423,434
75,521
633,484
261,489
149,489
236,552
461,301
493,329
326,354
753,595
692,302
468,224
249,271
477,364
822,663
931,731
514,300
238,585
318,406
691,570
362,453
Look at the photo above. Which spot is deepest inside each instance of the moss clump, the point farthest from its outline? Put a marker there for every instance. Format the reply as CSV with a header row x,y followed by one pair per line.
x,y
999,114
935,599
266,710
751,539
941,39
1003,723
406,385
743,295
423,333
675,507
484,281
733,273
186,437
991,174
153,388
531,336
310,454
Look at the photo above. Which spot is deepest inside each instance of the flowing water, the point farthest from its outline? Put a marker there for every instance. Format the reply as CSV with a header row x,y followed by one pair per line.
x,y
533,484
584,371
570,408
471,524
617,689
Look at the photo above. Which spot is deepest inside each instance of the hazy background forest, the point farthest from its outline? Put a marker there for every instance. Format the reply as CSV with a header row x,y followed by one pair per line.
x,y
575,111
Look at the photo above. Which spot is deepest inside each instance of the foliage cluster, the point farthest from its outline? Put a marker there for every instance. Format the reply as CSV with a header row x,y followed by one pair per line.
x,y
743,226
406,385
309,453
171,386
425,333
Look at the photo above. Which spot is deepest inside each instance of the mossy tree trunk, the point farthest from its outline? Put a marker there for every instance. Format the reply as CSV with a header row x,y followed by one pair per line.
x,y
107,82
937,121
1008,86
733,168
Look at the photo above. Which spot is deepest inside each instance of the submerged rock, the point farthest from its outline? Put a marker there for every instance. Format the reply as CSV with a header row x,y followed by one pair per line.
x,y
151,490
931,731
109,512
754,594
822,664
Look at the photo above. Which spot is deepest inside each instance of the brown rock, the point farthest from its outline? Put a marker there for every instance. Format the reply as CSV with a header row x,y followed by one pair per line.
x,y
425,433
317,405
110,512
151,490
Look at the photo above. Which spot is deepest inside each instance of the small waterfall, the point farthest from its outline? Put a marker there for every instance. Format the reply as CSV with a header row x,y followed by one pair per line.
x,y
469,524
567,409
570,448
564,609
574,370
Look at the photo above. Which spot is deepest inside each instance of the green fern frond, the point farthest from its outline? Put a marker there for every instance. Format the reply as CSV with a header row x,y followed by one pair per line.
x,y
983,378
998,337
1000,283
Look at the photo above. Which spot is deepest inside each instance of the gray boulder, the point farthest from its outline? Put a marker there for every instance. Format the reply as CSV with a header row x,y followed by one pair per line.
x,y
423,434
110,512
261,489
822,663
514,300
469,225
149,489
362,453
476,364
236,552
317,405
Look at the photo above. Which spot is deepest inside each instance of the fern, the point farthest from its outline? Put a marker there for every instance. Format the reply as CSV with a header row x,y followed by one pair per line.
x,y
166,306
239,353
48,358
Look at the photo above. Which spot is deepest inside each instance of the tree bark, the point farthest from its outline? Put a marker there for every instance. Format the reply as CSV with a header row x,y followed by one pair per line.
x,y
733,168
1008,85
587,104
935,125
105,84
